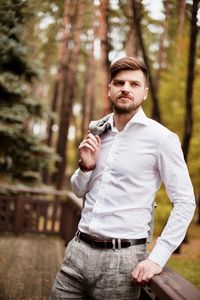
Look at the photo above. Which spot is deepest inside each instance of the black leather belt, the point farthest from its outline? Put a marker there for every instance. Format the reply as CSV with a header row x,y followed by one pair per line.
x,y
109,244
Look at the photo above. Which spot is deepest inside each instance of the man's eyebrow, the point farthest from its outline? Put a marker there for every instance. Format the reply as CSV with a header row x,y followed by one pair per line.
x,y
116,79
122,80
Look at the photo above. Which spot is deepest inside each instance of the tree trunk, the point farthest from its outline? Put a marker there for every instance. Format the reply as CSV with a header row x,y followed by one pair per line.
x,y
45,174
163,38
188,126
105,65
180,31
88,100
136,6
88,96
68,93
131,43
189,91
68,11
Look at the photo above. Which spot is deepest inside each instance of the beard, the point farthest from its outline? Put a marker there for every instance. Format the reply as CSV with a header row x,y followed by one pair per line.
x,y
123,108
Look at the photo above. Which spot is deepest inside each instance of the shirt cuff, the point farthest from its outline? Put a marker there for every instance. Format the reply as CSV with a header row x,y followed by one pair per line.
x,y
84,174
159,255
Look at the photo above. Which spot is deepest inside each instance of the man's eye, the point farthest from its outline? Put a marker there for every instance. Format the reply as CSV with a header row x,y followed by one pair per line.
x,y
134,84
118,83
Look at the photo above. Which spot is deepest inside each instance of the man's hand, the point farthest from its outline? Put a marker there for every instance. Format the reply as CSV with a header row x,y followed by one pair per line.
x,y
144,271
89,149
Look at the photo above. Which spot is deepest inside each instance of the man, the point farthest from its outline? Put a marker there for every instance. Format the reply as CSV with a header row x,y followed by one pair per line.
x,y
119,172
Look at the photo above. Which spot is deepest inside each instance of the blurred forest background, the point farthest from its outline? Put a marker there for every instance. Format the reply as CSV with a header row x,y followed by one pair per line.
x,y
55,57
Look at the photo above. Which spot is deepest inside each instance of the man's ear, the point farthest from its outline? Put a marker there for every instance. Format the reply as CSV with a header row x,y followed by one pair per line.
x,y
109,90
146,93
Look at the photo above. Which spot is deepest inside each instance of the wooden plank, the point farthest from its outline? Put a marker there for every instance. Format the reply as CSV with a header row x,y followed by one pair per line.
x,y
170,286
54,215
29,212
38,214
45,211
7,187
19,213
28,266
6,213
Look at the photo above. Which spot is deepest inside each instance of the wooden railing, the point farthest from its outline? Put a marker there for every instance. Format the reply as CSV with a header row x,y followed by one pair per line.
x,y
54,212
170,286
39,211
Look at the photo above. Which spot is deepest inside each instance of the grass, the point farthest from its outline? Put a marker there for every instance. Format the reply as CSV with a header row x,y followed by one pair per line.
x,y
188,268
187,263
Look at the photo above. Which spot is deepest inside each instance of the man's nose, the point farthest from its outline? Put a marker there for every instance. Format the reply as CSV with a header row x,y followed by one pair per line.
x,y
126,87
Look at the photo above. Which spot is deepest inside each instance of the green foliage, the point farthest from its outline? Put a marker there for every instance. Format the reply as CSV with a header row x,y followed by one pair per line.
x,y
194,154
187,263
173,82
13,52
188,267
22,155
29,37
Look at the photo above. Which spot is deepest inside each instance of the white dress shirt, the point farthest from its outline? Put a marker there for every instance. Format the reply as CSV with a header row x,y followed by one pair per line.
x,y
119,193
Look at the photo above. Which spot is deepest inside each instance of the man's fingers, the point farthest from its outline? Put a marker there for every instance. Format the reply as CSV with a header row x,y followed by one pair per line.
x,y
98,139
91,142
138,275
92,138
141,275
144,271
135,273
144,277
89,146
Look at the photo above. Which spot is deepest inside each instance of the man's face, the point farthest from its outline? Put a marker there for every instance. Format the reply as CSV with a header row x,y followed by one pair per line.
x,y
127,91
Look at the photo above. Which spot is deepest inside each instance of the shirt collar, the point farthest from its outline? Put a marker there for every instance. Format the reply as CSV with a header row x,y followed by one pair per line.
x,y
111,122
138,118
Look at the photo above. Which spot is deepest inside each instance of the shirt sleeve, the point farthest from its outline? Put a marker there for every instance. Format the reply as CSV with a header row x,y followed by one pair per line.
x,y
174,174
80,181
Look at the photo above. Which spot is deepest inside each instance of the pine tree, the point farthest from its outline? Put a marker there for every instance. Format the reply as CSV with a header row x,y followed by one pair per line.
x,y
22,155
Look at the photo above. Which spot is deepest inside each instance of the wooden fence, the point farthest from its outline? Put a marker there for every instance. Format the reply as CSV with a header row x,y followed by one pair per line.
x,y
33,211
39,211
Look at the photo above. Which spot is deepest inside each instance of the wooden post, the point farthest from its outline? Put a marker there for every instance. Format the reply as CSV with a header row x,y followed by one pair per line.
x,y
19,213
70,216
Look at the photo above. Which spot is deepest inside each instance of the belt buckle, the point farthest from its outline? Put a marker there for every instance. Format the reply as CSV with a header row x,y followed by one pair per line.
x,y
119,246
114,244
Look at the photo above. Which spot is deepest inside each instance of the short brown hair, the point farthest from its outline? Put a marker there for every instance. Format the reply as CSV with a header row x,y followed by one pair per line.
x,y
128,63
